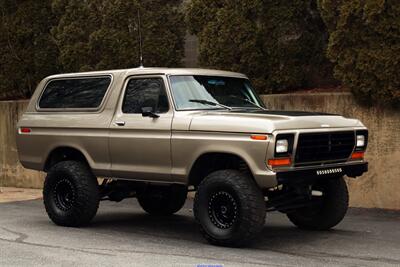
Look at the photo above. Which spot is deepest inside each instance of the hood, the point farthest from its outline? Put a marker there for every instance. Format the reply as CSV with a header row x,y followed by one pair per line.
x,y
267,121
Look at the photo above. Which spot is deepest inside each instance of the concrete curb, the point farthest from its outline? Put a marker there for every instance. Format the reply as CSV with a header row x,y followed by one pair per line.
x,y
13,194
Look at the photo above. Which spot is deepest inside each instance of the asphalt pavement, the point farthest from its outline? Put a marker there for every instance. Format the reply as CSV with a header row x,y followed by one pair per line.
x,y
123,235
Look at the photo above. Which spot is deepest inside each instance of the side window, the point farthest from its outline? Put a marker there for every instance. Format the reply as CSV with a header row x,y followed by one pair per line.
x,y
145,92
75,93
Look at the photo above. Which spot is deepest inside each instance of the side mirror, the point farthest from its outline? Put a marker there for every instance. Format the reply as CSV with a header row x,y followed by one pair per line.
x,y
148,112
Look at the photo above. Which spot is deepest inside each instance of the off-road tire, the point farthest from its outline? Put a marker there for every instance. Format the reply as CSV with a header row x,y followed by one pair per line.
x,y
334,206
163,200
239,191
83,202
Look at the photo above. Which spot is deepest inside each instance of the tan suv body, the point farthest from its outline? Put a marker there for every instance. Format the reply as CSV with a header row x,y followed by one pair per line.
x,y
154,137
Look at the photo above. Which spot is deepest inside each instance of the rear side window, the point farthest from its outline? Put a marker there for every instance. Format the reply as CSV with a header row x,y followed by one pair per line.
x,y
75,93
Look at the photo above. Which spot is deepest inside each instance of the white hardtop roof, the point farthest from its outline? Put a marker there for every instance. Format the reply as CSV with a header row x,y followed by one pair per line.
x,y
147,71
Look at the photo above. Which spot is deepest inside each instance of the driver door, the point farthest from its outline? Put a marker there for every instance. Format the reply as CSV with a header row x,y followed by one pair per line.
x,y
140,146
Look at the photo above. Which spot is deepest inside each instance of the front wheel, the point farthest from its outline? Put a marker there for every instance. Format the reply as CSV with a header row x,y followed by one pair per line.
x,y
71,194
327,210
230,208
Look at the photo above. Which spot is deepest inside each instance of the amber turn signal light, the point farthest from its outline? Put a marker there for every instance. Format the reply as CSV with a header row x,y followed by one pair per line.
x,y
258,137
357,155
279,162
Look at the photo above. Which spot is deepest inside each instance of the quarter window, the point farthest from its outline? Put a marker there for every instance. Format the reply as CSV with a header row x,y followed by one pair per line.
x,y
145,92
75,93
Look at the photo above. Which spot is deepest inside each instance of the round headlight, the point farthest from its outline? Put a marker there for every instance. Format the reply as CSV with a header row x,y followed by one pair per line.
x,y
282,146
360,140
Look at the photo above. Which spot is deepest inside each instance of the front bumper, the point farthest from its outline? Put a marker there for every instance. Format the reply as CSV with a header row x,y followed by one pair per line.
x,y
314,174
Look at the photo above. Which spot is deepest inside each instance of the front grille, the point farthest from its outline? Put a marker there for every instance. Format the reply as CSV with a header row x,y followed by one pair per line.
x,y
322,147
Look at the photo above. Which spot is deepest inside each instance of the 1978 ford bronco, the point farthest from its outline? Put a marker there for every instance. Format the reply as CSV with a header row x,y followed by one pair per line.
x,y
161,132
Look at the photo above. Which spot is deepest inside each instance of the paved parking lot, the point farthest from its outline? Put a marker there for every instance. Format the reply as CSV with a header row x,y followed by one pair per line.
x,y
122,234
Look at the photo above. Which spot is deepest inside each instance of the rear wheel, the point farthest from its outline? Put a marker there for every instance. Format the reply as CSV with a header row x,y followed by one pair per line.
x,y
326,210
163,200
71,194
229,208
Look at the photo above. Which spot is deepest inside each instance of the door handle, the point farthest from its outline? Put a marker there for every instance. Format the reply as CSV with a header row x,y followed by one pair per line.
x,y
120,123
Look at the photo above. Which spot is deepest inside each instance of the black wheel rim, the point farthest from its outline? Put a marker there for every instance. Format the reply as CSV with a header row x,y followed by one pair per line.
x,y
64,194
222,209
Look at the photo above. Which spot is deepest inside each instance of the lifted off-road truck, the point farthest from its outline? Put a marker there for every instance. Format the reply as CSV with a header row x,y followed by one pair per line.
x,y
159,133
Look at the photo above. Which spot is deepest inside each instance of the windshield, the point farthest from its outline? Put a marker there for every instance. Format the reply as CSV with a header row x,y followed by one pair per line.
x,y
213,92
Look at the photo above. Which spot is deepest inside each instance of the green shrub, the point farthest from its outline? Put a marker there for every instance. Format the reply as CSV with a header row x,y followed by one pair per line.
x,y
294,42
27,52
279,44
228,34
40,38
100,34
364,46
72,32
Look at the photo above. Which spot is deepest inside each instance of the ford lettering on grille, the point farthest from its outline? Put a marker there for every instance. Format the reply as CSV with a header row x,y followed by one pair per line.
x,y
329,171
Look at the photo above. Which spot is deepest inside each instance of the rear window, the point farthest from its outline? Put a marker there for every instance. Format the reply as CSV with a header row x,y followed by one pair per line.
x,y
75,93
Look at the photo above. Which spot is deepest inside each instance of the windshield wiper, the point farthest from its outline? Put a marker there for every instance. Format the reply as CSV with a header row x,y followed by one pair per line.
x,y
248,101
210,103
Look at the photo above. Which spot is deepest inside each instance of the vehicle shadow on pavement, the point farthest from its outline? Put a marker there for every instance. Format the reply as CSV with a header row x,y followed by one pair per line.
x,y
285,236
184,227
181,227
